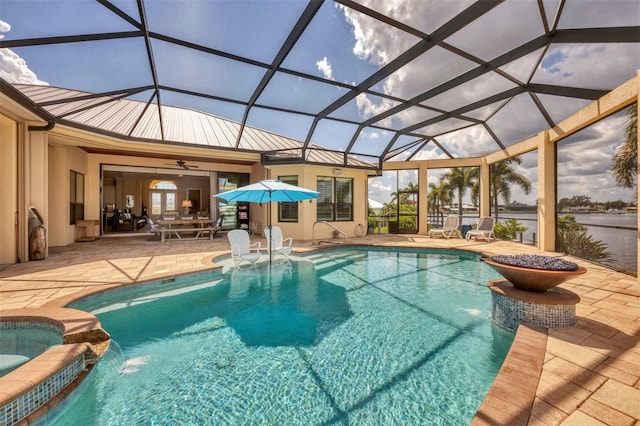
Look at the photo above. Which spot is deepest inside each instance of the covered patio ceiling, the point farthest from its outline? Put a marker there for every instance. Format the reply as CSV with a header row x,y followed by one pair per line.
x,y
336,82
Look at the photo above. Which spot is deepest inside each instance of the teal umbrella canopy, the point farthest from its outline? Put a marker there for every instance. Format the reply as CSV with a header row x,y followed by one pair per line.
x,y
267,191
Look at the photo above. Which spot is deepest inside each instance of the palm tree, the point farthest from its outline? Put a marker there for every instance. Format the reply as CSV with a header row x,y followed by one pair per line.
x,y
399,197
502,177
459,179
413,188
624,164
439,195
394,197
433,197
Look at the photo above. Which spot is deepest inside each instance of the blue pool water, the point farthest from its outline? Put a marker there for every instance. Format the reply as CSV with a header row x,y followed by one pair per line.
x,y
345,336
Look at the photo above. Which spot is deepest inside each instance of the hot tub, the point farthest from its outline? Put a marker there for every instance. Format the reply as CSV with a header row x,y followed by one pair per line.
x,y
23,341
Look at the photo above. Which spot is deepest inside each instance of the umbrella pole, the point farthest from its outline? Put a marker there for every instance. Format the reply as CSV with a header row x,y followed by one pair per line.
x,y
270,230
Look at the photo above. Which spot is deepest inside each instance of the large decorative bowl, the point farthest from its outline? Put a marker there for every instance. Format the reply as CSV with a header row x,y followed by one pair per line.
x,y
534,272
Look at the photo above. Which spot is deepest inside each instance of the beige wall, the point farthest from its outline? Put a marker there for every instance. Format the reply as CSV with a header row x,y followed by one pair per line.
x,y
307,178
63,159
32,183
8,190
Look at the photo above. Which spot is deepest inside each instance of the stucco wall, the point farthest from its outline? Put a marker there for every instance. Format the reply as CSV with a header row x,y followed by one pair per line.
x,y
307,214
8,189
63,159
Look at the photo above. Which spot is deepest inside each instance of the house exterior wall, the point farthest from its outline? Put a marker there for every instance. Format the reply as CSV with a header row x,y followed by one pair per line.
x,y
63,159
307,210
8,190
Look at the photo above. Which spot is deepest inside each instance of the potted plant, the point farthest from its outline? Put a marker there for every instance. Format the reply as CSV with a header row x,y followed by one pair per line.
x,y
534,272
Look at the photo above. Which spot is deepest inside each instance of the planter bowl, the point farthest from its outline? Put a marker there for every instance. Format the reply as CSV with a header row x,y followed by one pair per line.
x,y
532,279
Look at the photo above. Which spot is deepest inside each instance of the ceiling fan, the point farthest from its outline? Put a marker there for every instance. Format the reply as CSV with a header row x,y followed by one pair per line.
x,y
184,165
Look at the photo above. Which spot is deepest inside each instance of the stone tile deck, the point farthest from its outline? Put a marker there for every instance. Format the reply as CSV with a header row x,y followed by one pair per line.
x,y
585,375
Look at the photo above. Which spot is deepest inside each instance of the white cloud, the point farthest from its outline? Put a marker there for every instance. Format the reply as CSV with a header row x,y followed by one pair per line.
x,y
430,152
13,68
4,28
471,142
325,67
369,108
589,65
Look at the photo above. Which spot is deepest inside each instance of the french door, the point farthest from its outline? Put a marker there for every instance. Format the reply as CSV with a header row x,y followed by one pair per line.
x,y
163,201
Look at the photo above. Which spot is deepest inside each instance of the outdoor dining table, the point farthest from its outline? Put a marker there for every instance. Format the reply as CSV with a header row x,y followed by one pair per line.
x,y
178,226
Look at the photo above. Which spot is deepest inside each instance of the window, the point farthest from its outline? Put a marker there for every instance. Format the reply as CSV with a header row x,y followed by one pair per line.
x,y
76,197
336,199
288,212
162,184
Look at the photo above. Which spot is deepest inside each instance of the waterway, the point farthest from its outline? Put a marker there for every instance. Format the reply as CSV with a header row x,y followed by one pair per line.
x,y
611,229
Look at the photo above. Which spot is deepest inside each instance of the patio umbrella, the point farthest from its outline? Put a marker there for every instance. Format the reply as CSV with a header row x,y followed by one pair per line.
x,y
267,191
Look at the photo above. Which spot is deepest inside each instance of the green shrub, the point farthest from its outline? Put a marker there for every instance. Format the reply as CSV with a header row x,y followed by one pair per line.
x,y
573,239
509,230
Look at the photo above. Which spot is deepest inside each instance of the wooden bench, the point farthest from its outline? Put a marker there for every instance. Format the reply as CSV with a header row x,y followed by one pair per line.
x,y
212,230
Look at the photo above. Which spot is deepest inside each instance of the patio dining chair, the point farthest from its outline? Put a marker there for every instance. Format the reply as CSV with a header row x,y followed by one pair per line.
x,y
484,229
450,227
276,244
241,248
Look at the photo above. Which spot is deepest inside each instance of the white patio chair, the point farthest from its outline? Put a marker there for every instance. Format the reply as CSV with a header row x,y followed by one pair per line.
x,y
241,247
484,229
276,244
450,227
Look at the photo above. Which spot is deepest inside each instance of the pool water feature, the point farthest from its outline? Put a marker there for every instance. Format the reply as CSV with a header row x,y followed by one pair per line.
x,y
354,335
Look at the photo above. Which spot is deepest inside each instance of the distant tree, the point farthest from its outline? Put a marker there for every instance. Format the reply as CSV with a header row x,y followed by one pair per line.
x,y
575,201
502,178
399,197
394,197
580,200
459,179
624,165
414,189
388,208
438,196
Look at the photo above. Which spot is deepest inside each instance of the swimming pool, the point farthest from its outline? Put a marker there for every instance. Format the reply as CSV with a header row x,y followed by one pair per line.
x,y
354,335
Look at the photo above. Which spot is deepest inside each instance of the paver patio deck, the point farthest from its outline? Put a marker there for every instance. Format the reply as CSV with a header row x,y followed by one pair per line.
x,y
585,375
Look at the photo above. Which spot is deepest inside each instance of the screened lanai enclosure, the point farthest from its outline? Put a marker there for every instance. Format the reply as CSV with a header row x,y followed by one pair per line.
x,y
374,85
376,80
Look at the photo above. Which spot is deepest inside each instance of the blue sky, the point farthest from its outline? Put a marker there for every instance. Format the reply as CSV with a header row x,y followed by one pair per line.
x,y
343,46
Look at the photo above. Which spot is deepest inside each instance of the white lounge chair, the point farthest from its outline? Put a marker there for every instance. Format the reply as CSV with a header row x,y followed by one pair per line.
x,y
241,247
484,229
275,243
450,227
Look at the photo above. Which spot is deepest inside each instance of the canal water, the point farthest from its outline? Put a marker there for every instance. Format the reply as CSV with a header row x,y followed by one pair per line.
x,y
608,228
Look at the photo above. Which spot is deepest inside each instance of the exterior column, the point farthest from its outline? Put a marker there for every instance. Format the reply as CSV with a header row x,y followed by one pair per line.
x,y
423,205
9,216
638,175
546,193
37,179
485,197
